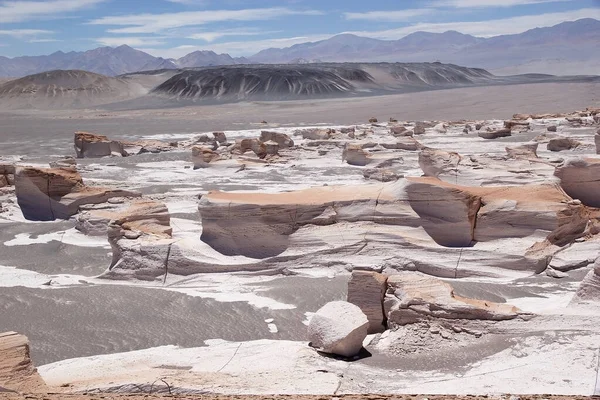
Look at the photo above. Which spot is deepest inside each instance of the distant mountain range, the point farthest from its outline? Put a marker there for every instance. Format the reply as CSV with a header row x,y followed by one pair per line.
x,y
566,48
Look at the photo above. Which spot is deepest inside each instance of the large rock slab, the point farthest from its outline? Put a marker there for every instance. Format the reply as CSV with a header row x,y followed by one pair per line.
x,y
17,372
47,194
562,143
414,297
579,179
366,290
338,328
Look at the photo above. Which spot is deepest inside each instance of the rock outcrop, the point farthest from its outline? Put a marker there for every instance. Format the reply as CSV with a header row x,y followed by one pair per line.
x,y
495,134
525,151
414,297
400,131
354,154
46,194
597,141
283,140
562,143
436,162
140,238
366,290
17,372
202,156
255,145
579,179
90,145
338,328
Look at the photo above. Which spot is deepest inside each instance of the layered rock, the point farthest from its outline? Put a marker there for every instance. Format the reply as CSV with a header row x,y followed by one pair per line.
x,y
17,372
90,145
315,134
338,328
579,179
366,290
255,145
46,194
414,297
202,156
403,143
140,238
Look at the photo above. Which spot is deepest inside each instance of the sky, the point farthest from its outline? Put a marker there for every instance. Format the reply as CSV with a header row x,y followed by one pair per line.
x,y
173,28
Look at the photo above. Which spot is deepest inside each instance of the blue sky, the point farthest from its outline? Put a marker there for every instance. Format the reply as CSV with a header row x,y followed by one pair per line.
x,y
173,28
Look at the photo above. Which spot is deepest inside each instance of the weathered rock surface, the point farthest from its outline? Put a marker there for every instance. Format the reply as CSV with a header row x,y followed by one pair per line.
x,y
436,162
400,131
46,194
90,145
597,141
589,289
366,290
202,156
413,297
254,145
403,143
338,328
220,137
562,143
579,179
17,372
381,174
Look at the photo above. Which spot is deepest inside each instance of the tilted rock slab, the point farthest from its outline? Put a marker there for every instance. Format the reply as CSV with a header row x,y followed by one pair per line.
x,y
413,297
366,290
17,372
47,194
338,328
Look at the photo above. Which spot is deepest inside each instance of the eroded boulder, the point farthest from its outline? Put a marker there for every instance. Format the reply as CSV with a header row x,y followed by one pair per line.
x,y
354,154
589,289
283,140
338,328
562,143
436,162
202,156
525,151
495,134
90,145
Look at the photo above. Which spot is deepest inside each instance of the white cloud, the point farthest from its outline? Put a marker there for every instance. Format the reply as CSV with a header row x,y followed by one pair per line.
x,y
489,3
390,16
21,33
151,23
211,36
19,11
131,41
504,26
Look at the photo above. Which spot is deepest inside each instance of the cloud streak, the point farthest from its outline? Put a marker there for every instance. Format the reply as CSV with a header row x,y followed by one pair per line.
x,y
21,11
22,33
151,23
390,16
489,3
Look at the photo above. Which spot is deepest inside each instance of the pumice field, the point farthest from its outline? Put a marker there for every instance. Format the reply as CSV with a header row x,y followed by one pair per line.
x,y
384,254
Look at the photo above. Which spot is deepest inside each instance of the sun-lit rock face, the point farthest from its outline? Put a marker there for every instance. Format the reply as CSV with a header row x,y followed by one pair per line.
x,y
366,289
47,194
579,179
17,372
414,297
